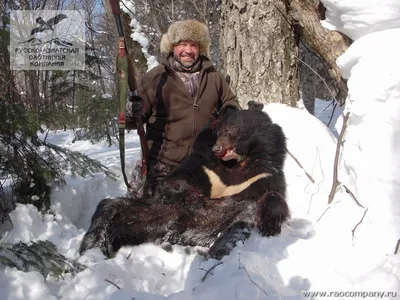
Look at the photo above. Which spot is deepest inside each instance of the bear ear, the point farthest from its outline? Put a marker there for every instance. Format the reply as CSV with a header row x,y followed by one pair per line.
x,y
226,110
223,113
255,105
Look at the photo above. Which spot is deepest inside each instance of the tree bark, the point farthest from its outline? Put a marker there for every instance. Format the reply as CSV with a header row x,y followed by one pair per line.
x,y
135,50
260,51
329,44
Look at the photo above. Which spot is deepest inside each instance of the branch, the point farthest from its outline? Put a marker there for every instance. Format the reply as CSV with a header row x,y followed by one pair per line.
x,y
47,133
127,8
109,281
354,229
200,12
320,77
336,163
331,103
396,250
296,160
252,281
333,112
352,196
323,214
328,44
209,270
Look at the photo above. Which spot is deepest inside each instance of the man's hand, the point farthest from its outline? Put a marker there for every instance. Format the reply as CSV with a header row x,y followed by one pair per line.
x,y
136,106
134,109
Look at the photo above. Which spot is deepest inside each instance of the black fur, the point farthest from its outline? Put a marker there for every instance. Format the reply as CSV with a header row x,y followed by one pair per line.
x,y
182,211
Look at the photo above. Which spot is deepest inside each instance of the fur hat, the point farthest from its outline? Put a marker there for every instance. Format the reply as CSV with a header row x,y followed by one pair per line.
x,y
191,30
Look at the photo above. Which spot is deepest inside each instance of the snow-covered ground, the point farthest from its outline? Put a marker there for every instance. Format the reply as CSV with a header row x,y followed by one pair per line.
x,y
345,249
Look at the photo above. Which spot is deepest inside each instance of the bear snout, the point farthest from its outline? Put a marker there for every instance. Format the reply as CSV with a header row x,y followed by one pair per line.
x,y
217,148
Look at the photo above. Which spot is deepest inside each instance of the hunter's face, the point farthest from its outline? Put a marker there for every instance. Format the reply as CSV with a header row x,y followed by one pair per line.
x,y
186,52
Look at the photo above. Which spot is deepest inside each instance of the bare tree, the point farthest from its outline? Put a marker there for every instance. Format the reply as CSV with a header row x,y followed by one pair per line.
x,y
155,16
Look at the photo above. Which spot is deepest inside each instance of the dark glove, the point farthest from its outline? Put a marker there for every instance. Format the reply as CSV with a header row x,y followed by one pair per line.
x,y
136,106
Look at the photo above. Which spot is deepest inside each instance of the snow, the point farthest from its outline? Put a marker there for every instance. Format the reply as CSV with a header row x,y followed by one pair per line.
x,y
341,248
106,96
138,35
374,129
357,18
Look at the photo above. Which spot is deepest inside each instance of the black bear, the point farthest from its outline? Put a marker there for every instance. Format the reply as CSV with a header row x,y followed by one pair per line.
x,y
232,181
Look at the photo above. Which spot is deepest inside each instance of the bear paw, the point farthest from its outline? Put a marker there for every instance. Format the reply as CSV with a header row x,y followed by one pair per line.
x,y
269,227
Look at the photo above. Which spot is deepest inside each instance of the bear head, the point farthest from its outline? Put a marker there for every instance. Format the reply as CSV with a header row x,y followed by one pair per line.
x,y
244,133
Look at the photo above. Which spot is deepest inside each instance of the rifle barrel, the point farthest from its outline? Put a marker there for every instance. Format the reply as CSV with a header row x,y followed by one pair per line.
x,y
120,28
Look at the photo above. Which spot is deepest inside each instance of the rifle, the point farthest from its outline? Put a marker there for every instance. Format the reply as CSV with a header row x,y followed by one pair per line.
x,y
126,78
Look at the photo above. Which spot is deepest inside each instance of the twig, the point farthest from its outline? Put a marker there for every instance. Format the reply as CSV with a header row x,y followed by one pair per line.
x,y
252,281
109,281
47,133
291,22
285,16
336,163
333,111
320,77
352,196
209,270
127,8
202,13
397,247
323,213
330,103
296,160
354,229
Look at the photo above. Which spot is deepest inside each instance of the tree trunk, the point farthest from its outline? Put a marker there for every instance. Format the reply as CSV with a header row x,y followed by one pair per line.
x,y
260,52
135,50
73,91
45,88
329,44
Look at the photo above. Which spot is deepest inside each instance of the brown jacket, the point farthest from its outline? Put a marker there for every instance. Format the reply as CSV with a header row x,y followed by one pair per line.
x,y
173,118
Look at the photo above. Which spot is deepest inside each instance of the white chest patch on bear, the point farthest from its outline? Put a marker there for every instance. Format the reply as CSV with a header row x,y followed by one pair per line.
x,y
219,189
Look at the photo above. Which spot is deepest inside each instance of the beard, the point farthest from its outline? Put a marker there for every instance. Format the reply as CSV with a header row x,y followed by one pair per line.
x,y
186,64
178,66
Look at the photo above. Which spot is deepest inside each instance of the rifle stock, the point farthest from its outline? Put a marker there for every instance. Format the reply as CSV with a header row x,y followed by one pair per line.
x,y
116,10
126,78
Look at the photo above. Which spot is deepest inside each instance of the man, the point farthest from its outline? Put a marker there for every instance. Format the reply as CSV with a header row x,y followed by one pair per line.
x,y
177,98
